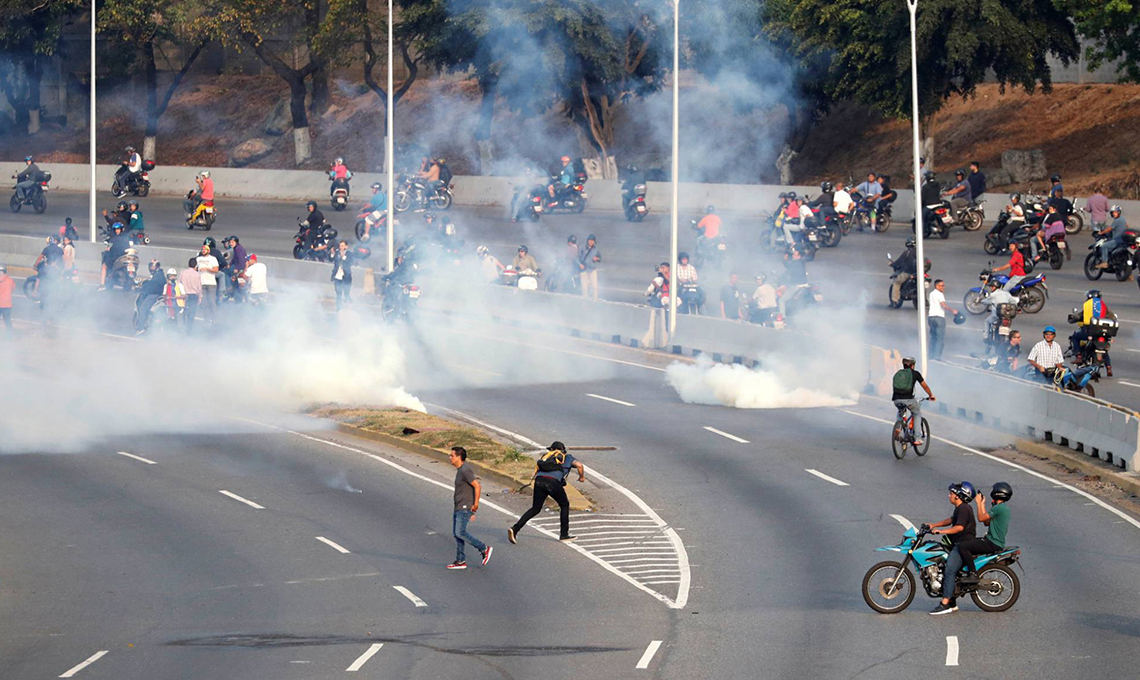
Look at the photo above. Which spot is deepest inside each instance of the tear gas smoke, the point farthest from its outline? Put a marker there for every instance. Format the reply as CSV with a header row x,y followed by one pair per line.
x,y
339,481
738,386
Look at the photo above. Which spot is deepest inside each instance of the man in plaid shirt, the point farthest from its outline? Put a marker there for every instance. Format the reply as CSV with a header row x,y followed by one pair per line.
x,y
1047,356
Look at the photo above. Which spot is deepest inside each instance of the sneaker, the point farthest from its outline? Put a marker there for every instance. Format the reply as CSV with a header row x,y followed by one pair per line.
x,y
511,536
102,288
487,555
140,331
944,609
457,565
1101,265
917,442
567,538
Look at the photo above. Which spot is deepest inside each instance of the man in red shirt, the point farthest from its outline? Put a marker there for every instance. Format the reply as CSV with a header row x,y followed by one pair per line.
x,y
1016,266
7,285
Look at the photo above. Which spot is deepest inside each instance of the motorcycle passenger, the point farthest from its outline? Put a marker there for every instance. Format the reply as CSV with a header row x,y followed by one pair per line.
x,y
905,267
792,225
960,527
524,261
1053,225
825,202
1056,189
687,273
1016,266
931,192
841,201
120,214
490,265
135,217
960,195
977,180
377,208
130,165
197,201
340,176
564,179
116,247
27,177
1115,231
995,295
902,394
1047,357
1097,207
886,198
997,519
149,293
1094,307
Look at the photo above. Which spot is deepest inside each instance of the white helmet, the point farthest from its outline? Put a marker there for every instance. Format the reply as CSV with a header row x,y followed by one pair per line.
x,y
171,272
339,161
205,174
482,251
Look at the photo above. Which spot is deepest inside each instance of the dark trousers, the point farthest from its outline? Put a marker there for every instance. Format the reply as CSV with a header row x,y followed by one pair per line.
x,y
343,288
973,547
142,310
6,315
191,310
545,487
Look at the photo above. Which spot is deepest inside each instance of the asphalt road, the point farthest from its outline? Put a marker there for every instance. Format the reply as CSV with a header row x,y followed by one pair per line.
x,y
854,276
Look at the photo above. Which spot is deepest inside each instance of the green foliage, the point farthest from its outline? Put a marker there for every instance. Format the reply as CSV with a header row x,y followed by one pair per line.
x,y
34,27
1114,28
866,46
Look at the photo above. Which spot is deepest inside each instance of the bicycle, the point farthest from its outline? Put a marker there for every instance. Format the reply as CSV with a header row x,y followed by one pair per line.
x,y
902,435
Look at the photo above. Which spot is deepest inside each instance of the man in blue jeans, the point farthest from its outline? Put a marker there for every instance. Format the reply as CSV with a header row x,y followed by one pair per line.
x,y
960,526
467,493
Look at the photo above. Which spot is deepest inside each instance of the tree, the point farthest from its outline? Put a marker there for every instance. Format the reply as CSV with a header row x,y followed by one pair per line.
x,y
865,44
30,30
140,25
1114,28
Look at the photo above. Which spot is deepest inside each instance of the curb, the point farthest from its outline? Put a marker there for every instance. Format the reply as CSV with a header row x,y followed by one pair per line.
x,y
578,501
1129,481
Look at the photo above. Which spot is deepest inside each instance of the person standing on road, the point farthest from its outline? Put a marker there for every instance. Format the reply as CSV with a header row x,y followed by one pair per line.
x,y
549,481
342,275
977,180
960,526
1097,207
191,282
588,260
257,274
468,490
730,297
7,285
208,270
902,385
936,318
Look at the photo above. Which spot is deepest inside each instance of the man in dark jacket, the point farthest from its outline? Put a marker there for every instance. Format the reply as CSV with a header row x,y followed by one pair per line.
x,y
150,291
342,274
549,481
27,177
237,262
977,180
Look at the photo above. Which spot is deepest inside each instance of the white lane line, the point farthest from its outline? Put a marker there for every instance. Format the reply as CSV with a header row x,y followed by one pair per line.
x,y
822,476
410,595
951,650
94,657
1119,513
138,458
363,658
1131,350
611,400
239,498
341,549
903,521
1125,382
648,655
726,435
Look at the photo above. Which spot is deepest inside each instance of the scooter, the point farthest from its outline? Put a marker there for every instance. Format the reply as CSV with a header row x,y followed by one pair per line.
x,y
123,271
525,279
936,221
339,198
889,587
634,204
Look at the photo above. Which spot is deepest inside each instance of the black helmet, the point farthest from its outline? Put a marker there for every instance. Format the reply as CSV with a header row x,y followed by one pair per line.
x,y
959,173
928,175
231,238
210,242
377,186
783,195
1001,491
710,209
133,203
959,318
67,221
311,204
792,195
429,216
825,186
631,168
682,256
1094,293
963,490
122,206
1014,197
331,234
524,249
909,243
922,160
1055,178
591,237
573,239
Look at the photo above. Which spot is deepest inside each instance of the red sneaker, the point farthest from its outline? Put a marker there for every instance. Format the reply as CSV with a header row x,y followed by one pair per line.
x,y
457,565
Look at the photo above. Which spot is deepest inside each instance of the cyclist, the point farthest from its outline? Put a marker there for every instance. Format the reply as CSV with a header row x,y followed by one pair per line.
x,y
903,396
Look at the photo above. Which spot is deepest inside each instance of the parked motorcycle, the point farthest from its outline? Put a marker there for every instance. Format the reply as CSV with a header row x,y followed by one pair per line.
x,y
1120,261
133,183
1031,292
690,295
1076,379
34,196
339,198
634,204
889,587
909,288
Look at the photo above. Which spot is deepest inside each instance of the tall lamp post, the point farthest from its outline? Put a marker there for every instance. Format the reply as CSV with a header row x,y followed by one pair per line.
x,y
672,313
390,152
91,136
912,6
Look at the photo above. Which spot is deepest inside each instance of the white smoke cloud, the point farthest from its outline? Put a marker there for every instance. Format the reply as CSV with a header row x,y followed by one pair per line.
x,y
738,386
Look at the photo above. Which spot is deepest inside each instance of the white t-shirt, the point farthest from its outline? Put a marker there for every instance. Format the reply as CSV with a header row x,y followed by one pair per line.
x,y
258,278
842,201
207,262
937,297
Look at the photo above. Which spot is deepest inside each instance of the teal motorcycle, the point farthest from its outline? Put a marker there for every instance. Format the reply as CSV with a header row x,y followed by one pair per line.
x,y
889,587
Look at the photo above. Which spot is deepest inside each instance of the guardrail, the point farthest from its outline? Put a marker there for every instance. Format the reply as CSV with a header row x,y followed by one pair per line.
x,y
1095,427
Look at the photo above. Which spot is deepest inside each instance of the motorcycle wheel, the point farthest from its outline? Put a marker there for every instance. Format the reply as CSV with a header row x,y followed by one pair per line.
x,y
360,233
1123,273
832,239
1033,300
30,290
442,201
944,234
15,204
298,252
338,206
808,251
1088,389
884,223
1074,224
39,204
143,190
990,247
1056,259
895,304
845,226
890,577
772,242
402,201
116,191
925,428
579,206
973,221
998,588
146,240
973,302
1091,272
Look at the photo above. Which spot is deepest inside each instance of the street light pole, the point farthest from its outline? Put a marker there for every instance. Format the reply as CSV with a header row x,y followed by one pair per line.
x,y
672,313
91,129
920,290
390,152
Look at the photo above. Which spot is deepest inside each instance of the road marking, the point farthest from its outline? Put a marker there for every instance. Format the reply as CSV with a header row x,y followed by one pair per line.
x,y
1125,382
139,458
1119,513
410,595
951,650
363,658
333,545
726,435
822,476
94,657
648,655
903,521
614,401
239,498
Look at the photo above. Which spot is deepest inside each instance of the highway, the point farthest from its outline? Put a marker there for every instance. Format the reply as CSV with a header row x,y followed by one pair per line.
x,y
854,276
200,554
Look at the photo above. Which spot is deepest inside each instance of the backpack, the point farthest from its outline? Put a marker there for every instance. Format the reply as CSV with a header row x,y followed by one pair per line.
x,y
903,382
445,174
551,461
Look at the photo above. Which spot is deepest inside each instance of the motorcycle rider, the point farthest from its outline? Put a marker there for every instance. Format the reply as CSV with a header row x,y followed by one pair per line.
x,y
340,175
430,176
149,293
687,273
902,395
764,305
997,519
825,202
377,208
198,200
633,177
960,527
1016,266
995,295
564,179
792,224
960,195
1094,307
709,226
135,218
931,192
315,220
116,247
905,268
1047,357
27,177
886,198
872,191
121,214
1115,231
130,165
1015,219
1053,225
491,267
524,261
1056,189
841,200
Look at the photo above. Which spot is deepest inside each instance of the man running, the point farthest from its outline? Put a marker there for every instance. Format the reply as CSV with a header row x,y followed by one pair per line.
x,y
549,479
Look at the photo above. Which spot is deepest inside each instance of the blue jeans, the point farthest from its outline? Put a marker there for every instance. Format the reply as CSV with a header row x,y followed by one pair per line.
x,y
1107,247
343,288
937,335
953,564
459,529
